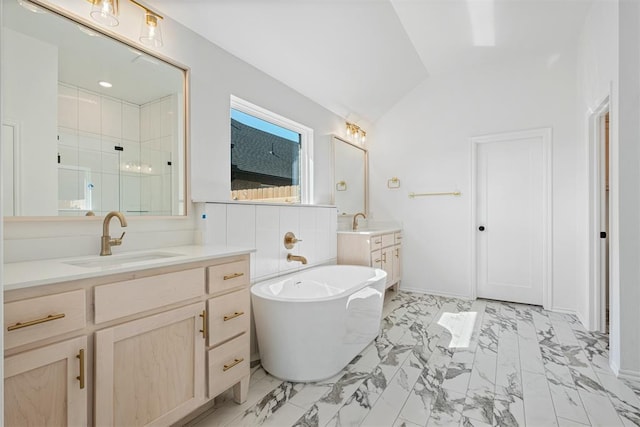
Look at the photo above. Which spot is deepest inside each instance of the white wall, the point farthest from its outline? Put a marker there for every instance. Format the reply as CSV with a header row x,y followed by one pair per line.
x,y
214,76
31,102
424,140
597,78
609,65
628,290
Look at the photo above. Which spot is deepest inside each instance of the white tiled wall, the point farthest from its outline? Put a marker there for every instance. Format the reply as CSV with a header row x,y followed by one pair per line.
x,y
263,227
137,180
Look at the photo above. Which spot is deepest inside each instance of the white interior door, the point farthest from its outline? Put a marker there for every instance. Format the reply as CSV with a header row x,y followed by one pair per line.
x,y
510,218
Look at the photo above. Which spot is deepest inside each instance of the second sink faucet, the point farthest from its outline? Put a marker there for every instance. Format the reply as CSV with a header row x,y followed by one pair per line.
x,y
107,241
355,220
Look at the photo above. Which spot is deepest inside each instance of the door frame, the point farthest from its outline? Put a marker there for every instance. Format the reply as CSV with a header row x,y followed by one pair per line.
x,y
17,159
547,208
597,298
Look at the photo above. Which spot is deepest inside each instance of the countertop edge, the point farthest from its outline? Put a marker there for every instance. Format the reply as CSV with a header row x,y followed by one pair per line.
x,y
27,274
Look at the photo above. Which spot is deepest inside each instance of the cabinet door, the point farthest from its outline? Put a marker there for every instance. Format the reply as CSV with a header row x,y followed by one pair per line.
x,y
387,263
397,263
151,371
42,387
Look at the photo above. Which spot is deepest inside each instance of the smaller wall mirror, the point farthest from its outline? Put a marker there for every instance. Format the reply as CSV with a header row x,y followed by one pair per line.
x,y
350,177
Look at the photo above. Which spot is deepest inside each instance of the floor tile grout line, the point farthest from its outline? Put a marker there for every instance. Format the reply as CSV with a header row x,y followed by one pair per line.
x,y
606,391
555,412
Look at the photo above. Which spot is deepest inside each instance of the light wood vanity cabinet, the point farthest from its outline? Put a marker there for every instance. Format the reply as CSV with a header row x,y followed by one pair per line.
x,y
228,329
157,345
150,371
46,386
380,250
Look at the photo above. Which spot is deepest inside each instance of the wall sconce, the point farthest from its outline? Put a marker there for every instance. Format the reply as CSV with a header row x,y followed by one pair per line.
x,y
355,132
150,33
105,12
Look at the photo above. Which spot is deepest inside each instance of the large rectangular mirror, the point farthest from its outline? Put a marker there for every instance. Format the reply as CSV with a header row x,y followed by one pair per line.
x,y
350,177
90,124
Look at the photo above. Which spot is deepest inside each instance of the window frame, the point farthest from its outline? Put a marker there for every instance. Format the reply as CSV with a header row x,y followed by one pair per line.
x,y
306,142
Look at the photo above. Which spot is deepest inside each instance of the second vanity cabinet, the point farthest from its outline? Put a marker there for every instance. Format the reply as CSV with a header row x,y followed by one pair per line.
x,y
381,249
142,348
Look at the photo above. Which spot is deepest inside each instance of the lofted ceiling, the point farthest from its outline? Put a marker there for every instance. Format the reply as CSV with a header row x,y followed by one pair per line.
x,y
358,58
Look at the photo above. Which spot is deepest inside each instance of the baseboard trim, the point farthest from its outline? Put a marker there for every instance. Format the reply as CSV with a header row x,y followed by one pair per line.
x,y
564,310
430,292
626,374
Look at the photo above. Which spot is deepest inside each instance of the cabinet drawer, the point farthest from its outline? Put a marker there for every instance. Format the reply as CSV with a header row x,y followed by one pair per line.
x,y
388,240
375,242
34,319
398,237
227,276
228,316
122,299
227,364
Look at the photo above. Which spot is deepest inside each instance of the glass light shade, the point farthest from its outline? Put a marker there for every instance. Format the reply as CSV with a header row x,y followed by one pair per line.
x,y
105,12
150,34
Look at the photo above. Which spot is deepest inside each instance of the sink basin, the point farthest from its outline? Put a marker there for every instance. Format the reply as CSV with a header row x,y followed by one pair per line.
x,y
119,260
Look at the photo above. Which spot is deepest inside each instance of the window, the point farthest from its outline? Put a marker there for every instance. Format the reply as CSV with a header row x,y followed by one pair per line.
x,y
270,156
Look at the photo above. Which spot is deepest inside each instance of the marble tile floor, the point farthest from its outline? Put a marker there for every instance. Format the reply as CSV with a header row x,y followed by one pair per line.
x,y
449,362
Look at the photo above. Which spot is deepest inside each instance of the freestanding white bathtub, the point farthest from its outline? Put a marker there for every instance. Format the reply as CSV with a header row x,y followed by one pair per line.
x,y
311,324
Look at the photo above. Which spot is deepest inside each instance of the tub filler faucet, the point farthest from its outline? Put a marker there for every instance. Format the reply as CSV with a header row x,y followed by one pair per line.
x,y
291,257
107,241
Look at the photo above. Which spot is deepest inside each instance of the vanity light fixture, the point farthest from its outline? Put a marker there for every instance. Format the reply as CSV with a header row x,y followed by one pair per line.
x,y
105,12
354,131
150,33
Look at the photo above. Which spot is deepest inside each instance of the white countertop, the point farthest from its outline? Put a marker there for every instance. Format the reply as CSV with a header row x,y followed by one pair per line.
x,y
19,275
371,231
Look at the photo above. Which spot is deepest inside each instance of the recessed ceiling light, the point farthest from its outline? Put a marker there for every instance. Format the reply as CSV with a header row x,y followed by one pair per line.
x,y
87,31
105,84
30,6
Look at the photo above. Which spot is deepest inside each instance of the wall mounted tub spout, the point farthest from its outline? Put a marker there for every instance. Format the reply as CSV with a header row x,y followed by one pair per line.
x,y
291,257
107,241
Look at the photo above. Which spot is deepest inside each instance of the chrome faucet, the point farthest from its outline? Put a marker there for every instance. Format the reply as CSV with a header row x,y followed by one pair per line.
x,y
291,257
107,241
355,220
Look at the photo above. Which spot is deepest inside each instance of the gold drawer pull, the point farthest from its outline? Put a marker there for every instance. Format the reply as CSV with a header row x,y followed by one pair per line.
x,y
232,276
232,364
399,237
384,257
233,316
80,377
397,253
204,330
49,318
378,260
377,242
